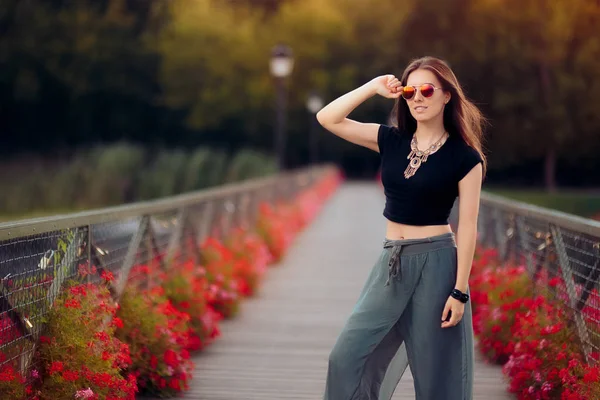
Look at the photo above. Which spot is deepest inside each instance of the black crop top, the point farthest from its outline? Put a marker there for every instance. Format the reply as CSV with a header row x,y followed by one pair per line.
x,y
427,197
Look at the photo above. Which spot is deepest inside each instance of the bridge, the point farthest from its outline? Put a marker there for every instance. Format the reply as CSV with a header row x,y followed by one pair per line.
x,y
277,346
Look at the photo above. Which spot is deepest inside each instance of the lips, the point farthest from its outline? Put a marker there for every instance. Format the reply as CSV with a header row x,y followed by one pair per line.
x,y
420,108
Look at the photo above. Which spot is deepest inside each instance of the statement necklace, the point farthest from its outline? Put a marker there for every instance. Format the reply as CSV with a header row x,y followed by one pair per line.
x,y
417,157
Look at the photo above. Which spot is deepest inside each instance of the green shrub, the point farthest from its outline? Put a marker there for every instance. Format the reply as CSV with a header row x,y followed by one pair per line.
x,y
214,174
116,174
113,173
248,164
164,177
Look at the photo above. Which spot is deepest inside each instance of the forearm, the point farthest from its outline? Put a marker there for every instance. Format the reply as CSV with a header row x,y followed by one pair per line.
x,y
336,111
466,238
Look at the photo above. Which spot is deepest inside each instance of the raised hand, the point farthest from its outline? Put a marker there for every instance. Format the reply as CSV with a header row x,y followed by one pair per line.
x,y
387,86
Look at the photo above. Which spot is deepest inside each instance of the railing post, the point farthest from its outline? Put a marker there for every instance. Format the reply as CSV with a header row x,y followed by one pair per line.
x,y
149,247
242,215
175,239
229,205
253,207
511,246
196,253
567,274
129,259
500,233
522,235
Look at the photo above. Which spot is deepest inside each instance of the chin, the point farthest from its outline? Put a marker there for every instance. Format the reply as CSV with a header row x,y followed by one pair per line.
x,y
425,117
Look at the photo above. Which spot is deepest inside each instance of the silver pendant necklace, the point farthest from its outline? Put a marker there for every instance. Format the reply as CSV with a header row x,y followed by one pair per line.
x,y
417,157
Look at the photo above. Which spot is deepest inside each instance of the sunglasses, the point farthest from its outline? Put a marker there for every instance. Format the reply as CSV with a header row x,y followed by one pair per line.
x,y
427,90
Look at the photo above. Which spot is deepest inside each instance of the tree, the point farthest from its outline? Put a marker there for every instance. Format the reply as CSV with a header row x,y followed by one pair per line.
x,y
536,50
80,68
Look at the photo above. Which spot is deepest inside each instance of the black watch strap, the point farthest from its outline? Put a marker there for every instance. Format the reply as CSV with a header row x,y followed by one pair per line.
x,y
460,296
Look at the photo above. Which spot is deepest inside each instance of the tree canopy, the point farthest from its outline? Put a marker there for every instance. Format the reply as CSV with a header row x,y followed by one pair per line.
x,y
191,73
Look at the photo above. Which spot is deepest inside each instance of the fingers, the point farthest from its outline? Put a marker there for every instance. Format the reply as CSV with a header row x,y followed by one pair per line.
x,y
445,313
393,83
455,316
393,87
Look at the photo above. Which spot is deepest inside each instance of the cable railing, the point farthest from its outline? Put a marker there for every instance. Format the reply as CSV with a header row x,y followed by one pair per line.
x,y
134,242
560,251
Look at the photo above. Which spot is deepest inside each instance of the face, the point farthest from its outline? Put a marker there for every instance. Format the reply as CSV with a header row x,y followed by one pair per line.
x,y
424,108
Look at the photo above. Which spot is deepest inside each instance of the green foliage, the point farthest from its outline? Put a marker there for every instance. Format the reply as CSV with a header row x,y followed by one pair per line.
x,y
196,169
78,349
154,331
12,384
196,74
120,173
186,288
163,176
247,164
113,173
211,71
579,203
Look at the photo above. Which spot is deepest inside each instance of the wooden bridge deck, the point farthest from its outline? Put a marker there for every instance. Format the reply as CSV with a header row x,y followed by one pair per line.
x,y
277,348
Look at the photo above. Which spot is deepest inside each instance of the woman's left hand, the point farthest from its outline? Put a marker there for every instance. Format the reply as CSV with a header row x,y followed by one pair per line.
x,y
457,310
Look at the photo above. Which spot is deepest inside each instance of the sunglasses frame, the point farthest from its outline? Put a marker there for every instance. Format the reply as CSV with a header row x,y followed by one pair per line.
x,y
418,90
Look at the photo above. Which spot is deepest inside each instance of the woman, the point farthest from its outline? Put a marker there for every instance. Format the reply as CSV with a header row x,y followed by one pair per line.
x,y
414,309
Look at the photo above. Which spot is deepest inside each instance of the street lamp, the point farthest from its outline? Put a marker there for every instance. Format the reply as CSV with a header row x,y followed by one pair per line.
x,y
314,103
281,66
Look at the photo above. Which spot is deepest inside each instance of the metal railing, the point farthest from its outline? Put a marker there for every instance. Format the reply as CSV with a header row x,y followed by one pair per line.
x,y
37,256
554,247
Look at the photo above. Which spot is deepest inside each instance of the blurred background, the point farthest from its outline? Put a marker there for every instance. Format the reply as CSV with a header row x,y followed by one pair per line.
x,y
104,102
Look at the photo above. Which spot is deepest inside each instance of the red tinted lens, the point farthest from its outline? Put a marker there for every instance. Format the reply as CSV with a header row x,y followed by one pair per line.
x,y
427,90
408,92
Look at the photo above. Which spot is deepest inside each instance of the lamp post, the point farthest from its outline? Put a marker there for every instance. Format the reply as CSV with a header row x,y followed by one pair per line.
x,y
281,66
314,103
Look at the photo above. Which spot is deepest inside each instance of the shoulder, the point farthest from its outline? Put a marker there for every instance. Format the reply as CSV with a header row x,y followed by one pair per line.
x,y
388,134
467,157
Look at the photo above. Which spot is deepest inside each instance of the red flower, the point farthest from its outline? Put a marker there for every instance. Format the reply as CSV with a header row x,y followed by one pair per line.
x,y
107,276
170,358
56,366
117,322
592,375
72,303
70,376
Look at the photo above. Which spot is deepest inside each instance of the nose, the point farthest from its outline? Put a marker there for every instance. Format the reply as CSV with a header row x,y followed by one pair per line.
x,y
418,97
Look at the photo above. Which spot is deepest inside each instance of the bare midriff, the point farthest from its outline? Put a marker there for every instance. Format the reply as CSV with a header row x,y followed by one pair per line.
x,y
396,231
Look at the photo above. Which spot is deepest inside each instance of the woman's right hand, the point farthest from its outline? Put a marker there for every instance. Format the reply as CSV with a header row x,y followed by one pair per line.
x,y
387,86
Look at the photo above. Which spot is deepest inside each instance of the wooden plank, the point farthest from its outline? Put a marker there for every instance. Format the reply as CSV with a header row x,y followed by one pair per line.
x,y
278,347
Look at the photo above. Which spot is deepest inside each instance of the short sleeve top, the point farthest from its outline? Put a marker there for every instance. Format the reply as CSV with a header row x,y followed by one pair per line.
x,y
427,197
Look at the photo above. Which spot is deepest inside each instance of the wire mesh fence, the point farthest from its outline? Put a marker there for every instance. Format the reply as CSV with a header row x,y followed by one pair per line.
x,y
135,243
561,253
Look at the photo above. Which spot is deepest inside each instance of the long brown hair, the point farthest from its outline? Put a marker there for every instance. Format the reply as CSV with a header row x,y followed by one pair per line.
x,y
461,116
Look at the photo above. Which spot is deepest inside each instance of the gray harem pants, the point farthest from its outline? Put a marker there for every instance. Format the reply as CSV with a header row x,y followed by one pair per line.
x,y
396,323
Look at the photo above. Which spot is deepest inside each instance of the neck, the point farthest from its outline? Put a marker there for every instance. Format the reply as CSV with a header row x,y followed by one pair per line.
x,y
429,131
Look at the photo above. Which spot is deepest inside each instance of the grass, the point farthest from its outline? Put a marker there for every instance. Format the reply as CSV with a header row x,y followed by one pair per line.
x,y
585,203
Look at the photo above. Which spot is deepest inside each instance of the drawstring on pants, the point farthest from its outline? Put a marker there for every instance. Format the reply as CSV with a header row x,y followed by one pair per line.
x,y
394,263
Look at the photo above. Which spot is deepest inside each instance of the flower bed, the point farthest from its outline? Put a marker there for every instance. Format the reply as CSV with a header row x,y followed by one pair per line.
x,y
94,348
529,331
79,355
157,334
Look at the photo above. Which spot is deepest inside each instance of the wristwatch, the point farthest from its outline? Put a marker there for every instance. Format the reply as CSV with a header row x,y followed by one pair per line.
x,y
460,296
